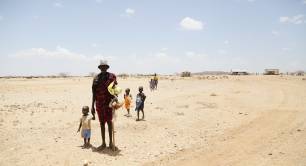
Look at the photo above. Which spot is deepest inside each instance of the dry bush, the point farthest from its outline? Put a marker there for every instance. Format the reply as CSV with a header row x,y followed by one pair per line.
x,y
186,74
64,75
123,75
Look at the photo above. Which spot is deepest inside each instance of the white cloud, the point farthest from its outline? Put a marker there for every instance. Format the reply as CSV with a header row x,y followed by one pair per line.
x,y
275,33
161,55
304,2
41,61
128,13
226,42
99,57
285,49
58,5
164,49
94,45
190,54
58,53
191,24
251,0
99,1
298,19
1,18
194,55
222,52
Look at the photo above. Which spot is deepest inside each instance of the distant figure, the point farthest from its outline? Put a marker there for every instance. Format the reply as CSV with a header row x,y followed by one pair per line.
x,y
152,84
127,101
86,127
140,99
155,80
101,99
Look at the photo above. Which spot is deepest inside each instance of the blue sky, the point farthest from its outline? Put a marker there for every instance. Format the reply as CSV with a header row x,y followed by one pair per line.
x,y
43,37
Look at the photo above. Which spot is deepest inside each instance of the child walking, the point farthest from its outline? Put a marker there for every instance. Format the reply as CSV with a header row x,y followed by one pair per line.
x,y
140,99
86,126
127,101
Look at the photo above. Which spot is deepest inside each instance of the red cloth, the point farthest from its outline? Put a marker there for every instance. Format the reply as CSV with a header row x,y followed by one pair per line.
x,y
103,97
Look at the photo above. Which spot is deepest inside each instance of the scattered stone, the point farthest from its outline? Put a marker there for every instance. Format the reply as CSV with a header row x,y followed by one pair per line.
x,y
179,113
213,94
207,105
183,106
299,130
85,163
270,154
159,108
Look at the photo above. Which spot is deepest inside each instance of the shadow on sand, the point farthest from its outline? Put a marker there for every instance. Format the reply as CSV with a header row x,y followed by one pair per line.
x,y
106,150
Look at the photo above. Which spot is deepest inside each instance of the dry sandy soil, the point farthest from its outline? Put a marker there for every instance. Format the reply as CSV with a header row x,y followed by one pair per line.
x,y
243,120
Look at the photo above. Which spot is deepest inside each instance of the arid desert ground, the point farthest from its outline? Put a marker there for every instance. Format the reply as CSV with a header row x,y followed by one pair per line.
x,y
235,120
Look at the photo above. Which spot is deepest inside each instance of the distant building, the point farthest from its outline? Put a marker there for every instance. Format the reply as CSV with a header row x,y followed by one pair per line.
x,y
238,72
271,72
299,73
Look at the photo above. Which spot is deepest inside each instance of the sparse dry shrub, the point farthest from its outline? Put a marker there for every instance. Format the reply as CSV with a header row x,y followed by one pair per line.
x,y
186,74
63,74
123,75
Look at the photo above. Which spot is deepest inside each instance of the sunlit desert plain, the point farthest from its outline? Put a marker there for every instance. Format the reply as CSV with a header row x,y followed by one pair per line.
x,y
201,120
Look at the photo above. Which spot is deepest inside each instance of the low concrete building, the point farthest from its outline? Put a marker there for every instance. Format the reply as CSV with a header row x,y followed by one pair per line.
x,y
239,72
299,73
271,72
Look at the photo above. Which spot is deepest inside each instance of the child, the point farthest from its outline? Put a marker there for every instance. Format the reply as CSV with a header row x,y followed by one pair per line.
x,y
127,101
114,104
140,99
86,127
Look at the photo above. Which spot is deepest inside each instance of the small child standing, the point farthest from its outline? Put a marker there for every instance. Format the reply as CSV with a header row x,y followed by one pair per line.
x,y
140,99
86,126
127,101
115,105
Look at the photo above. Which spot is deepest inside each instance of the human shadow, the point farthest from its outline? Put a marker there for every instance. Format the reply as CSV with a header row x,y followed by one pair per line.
x,y
85,146
107,151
